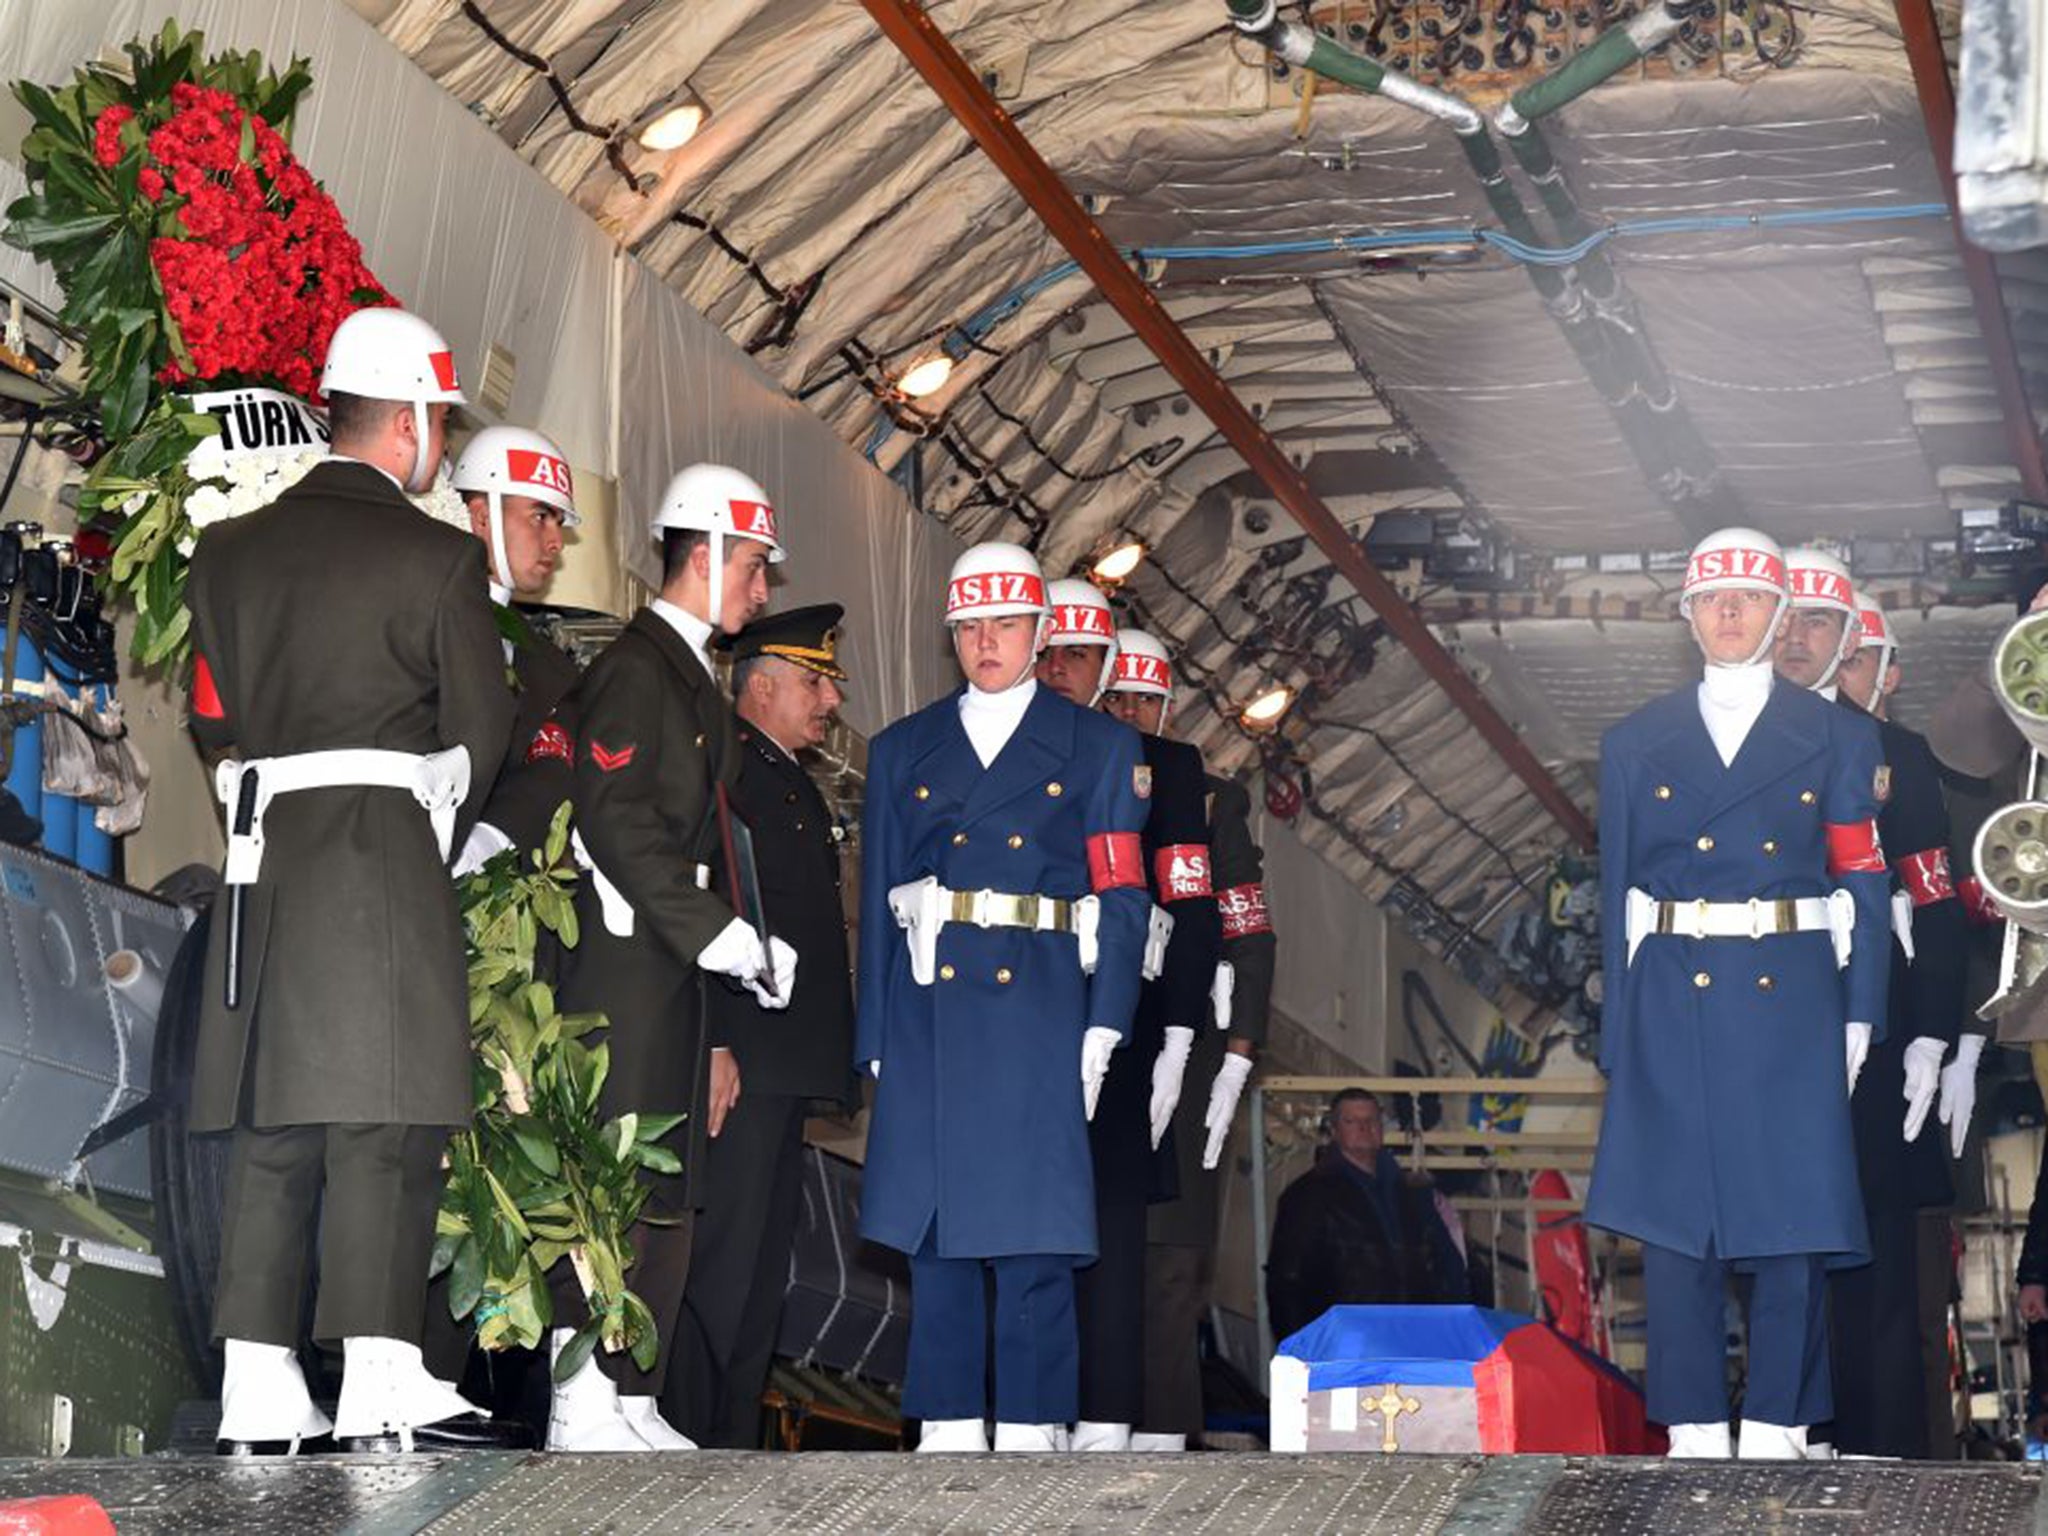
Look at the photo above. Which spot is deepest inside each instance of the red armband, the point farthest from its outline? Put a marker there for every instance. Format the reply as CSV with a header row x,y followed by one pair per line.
x,y
1180,871
1115,859
1925,876
205,696
1853,849
551,741
1244,910
1977,903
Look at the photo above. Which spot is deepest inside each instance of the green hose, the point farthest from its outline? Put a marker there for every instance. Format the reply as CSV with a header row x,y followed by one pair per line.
x,y
1611,52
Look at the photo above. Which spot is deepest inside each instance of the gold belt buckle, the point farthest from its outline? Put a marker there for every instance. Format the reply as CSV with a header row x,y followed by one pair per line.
x,y
1666,911
1788,914
1027,910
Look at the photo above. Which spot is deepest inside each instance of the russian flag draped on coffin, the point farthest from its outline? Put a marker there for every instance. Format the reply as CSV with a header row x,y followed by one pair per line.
x,y
1449,1379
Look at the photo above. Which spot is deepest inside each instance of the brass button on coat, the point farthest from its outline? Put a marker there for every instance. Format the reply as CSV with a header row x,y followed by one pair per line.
x,y
1702,979
1003,975
1807,797
790,798
1055,789
922,792
1770,845
945,973
959,839
1663,791
1016,839
1764,983
1705,843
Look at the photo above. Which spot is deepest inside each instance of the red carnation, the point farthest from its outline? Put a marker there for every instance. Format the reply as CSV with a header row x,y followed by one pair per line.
x,y
106,134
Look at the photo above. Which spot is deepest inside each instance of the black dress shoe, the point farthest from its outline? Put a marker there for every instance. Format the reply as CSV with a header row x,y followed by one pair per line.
x,y
464,1432
307,1445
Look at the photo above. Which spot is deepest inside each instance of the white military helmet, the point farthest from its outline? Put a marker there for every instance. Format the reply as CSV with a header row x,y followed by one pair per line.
x,y
1873,627
514,461
1816,579
994,580
1142,666
721,502
1737,560
392,354
1081,615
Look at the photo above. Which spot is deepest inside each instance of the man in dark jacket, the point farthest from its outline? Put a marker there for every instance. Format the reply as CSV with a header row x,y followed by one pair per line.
x,y
346,653
1354,1230
1132,673
655,750
521,499
785,686
1181,1234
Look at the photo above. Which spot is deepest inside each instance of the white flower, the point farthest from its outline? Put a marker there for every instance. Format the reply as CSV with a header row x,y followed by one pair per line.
x,y
252,480
207,505
443,503
187,542
135,503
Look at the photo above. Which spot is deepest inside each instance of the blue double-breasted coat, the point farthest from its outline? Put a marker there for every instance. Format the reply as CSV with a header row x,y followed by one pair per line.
x,y
1727,1115
978,1121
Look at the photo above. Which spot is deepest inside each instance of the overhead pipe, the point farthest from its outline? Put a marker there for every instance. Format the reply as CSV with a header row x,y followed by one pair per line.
x,y
1938,109
1587,301
1600,61
957,85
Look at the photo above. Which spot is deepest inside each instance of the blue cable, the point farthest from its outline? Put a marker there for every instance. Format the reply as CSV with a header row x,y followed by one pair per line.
x,y
991,315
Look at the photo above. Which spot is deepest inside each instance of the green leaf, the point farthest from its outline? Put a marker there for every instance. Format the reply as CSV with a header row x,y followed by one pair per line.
x,y
507,1206
537,1145
641,1330
657,1159
465,1278
576,1353
654,1127
33,234
621,1134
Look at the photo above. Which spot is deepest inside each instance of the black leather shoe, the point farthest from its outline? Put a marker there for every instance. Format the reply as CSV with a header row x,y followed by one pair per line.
x,y
310,1445
464,1432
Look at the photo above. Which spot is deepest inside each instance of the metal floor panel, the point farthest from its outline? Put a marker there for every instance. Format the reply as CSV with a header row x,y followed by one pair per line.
x,y
180,1496
1208,1495
1619,1498
835,1492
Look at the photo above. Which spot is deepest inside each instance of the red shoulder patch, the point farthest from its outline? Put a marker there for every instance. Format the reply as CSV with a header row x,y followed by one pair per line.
x,y
551,741
611,759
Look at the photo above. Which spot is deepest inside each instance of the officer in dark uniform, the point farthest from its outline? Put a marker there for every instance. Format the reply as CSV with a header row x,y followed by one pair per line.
x,y
520,495
1885,1329
1745,918
1000,833
1132,1168
521,499
346,653
1181,1235
785,686
655,750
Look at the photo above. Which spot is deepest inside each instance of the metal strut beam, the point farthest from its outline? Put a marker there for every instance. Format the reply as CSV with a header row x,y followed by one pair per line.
x,y
905,23
1938,107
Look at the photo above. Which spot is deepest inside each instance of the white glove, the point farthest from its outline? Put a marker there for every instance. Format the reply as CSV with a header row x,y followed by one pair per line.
x,y
737,953
484,843
1859,1047
783,959
1923,1078
1223,1097
1095,1048
875,1070
1220,989
1959,1091
1167,1071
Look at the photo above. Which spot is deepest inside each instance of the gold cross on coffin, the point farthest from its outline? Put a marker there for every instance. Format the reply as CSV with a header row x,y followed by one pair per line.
x,y
1390,1405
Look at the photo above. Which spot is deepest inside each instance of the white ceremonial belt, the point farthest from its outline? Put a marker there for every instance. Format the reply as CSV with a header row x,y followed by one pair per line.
x,y
437,780
923,907
1158,933
1757,918
611,901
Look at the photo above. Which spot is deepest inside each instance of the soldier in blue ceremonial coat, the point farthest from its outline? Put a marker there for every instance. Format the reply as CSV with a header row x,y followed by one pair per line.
x,y
1745,917
1003,920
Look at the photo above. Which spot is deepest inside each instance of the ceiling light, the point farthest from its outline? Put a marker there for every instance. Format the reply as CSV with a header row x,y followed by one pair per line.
x,y
1117,565
674,128
926,376
1265,711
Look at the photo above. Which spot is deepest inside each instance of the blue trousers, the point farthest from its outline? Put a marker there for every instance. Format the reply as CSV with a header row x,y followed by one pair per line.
x,y
1788,1339
1037,1356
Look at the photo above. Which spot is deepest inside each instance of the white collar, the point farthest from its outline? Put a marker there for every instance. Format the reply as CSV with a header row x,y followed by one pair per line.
x,y
1010,704
696,632
1744,687
500,593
